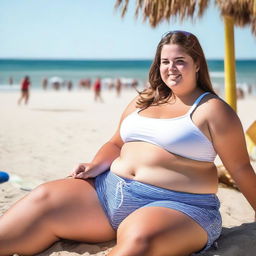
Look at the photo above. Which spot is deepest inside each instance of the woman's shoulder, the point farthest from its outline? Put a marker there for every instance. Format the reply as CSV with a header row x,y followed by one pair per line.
x,y
214,103
219,111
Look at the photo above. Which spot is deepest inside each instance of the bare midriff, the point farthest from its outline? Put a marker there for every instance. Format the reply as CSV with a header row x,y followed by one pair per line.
x,y
148,163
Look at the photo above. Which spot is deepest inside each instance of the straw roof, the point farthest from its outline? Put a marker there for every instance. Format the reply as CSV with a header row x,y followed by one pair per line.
x,y
156,11
242,11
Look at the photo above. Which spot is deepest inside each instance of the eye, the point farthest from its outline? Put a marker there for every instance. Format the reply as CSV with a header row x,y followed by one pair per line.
x,y
165,62
180,62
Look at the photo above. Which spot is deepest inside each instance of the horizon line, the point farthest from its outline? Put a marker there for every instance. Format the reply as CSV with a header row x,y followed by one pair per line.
x,y
106,59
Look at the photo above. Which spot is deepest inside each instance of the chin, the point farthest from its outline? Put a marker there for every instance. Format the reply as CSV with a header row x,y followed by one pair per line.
x,y
172,85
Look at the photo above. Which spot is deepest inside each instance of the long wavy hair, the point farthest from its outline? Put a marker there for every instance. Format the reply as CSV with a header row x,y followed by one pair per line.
x,y
157,91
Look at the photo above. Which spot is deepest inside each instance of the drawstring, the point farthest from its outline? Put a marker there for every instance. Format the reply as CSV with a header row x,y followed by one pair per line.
x,y
119,186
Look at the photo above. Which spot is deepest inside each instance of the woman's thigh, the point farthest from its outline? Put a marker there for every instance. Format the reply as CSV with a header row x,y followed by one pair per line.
x,y
159,231
77,213
67,208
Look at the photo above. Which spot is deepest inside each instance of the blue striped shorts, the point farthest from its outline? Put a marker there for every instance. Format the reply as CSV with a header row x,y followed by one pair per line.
x,y
121,196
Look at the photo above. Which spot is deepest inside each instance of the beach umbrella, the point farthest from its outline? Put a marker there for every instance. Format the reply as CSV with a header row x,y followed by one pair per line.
x,y
234,12
56,82
239,13
55,79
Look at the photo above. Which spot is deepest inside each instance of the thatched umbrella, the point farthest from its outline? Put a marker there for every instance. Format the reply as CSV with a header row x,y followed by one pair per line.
x,y
234,12
239,13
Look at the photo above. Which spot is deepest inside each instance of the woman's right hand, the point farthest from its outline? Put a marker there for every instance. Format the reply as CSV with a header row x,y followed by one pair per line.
x,y
84,171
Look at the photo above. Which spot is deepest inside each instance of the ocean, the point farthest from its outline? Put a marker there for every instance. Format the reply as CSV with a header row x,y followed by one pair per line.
x,y
107,70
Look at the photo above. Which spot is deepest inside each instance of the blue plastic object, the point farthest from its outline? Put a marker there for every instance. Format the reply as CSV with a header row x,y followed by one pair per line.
x,y
4,176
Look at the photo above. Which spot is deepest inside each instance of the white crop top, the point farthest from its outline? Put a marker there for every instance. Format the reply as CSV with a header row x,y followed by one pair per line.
x,y
178,135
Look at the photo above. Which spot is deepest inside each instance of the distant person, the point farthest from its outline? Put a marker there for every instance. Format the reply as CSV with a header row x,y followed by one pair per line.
x,y
240,93
69,85
88,83
134,84
118,86
249,89
25,84
56,85
10,80
97,90
45,83
85,83
81,83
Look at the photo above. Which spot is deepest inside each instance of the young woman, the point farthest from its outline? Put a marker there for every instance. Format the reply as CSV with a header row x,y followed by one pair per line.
x,y
152,186
25,84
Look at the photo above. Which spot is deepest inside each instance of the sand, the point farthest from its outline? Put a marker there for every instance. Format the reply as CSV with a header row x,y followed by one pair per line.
x,y
59,129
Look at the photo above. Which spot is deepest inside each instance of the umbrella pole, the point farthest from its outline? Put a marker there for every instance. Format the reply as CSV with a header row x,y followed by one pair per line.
x,y
229,63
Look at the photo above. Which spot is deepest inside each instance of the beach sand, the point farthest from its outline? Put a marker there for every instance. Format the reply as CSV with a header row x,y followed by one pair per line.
x,y
58,129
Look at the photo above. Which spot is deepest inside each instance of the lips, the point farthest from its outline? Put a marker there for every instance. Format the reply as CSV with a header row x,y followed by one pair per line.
x,y
173,77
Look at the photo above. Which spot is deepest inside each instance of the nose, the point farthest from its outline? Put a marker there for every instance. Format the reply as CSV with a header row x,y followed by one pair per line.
x,y
172,66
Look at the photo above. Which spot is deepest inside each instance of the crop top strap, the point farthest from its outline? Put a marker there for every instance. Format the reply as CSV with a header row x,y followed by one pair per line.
x,y
197,102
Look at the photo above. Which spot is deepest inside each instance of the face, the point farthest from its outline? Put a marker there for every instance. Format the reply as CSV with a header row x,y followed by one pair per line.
x,y
177,68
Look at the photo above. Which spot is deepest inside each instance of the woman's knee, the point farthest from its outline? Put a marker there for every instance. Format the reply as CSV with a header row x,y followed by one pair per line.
x,y
134,241
41,197
59,194
40,193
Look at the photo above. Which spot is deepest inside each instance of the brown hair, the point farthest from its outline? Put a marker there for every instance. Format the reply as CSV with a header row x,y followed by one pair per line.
x,y
158,92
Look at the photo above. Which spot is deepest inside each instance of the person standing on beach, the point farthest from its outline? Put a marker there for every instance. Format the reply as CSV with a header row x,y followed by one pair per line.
x,y
25,84
118,86
134,84
10,80
69,85
152,186
97,90
44,83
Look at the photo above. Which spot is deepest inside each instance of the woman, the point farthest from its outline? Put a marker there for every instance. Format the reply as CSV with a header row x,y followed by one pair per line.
x,y
97,90
152,185
25,84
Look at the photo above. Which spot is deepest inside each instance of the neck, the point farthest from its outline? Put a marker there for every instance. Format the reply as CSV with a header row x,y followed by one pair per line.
x,y
186,98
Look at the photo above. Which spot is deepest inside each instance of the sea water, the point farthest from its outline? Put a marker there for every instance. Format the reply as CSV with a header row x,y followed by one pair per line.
x,y
107,70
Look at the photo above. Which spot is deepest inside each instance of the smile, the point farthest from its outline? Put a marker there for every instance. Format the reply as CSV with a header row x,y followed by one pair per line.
x,y
173,77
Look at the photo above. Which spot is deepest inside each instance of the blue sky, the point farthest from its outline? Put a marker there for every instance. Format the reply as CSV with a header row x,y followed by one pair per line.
x,y
92,29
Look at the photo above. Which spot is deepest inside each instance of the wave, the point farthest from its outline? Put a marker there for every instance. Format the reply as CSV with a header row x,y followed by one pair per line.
x,y
217,74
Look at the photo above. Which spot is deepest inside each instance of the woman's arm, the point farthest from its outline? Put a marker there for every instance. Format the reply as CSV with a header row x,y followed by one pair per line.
x,y
106,154
229,142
